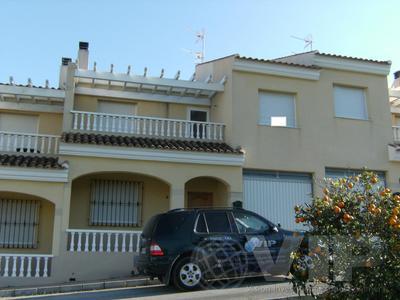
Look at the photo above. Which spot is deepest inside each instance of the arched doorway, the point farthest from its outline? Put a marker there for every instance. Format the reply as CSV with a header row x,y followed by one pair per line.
x,y
206,192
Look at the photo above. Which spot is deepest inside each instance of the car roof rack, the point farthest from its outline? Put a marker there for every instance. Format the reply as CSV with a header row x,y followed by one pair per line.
x,y
204,208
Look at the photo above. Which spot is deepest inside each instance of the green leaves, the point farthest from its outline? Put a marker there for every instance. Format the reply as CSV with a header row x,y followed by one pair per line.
x,y
364,216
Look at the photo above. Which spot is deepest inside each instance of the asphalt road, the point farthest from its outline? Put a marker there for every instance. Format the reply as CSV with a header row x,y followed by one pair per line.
x,y
255,288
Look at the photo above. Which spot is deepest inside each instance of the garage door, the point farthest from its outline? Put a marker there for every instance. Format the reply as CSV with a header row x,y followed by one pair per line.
x,y
274,195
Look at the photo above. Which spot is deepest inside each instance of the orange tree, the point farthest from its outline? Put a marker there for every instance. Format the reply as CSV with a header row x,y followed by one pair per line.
x,y
354,246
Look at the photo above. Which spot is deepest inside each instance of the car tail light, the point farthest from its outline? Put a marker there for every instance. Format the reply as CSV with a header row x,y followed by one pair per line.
x,y
155,250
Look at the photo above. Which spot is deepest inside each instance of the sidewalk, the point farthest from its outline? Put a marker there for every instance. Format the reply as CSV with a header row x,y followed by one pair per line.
x,y
78,286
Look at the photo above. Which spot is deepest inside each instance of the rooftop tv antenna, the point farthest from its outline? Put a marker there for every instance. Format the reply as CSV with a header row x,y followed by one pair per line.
x,y
200,38
308,40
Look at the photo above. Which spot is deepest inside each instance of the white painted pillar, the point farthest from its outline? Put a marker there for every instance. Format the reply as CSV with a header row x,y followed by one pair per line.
x,y
177,196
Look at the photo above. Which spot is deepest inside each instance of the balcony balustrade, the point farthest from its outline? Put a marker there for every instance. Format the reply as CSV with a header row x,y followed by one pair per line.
x,y
396,133
85,240
147,126
28,143
25,265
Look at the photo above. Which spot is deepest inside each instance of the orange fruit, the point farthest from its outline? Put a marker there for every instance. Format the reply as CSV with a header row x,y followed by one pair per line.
x,y
395,211
373,180
378,210
341,204
350,185
337,209
396,198
347,218
392,221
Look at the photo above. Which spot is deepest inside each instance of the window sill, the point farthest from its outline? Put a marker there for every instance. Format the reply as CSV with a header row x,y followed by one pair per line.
x,y
352,119
269,126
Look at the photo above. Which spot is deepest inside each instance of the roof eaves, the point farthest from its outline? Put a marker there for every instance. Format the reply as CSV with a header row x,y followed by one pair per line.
x,y
386,62
277,62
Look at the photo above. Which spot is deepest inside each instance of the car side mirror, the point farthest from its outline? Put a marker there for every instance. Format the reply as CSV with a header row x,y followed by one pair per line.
x,y
275,229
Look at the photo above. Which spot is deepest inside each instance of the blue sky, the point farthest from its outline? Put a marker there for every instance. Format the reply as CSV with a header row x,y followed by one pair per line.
x,y
36,34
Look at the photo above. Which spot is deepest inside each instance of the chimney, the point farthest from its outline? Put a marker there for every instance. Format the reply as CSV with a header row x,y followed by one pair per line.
x,y
83,55
396,82
63,72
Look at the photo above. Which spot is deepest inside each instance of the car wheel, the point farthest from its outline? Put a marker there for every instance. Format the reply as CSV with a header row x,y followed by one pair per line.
x,y
187,275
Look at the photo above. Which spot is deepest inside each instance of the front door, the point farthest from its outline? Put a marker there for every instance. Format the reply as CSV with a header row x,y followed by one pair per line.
x,y
199,199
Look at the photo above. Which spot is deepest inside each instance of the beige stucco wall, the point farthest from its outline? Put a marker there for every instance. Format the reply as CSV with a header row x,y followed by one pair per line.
x,y
320,140
144,108
155,199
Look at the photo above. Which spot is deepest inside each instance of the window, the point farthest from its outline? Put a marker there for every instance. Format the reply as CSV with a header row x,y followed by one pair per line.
x,y
334,173
19,221
350,103
117,108
217,222
277,109
247,223
171,223
201,224
115,203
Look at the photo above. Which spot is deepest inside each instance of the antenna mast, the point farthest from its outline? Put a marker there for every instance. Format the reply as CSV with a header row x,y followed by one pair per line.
x,y
308,41
200,38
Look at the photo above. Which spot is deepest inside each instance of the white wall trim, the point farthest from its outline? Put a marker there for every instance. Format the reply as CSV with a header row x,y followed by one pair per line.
x,y
33,174
100,92
276,69
351,65
152,155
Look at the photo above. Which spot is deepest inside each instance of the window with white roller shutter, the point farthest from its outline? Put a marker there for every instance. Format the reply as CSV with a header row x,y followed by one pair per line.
x,y
350,102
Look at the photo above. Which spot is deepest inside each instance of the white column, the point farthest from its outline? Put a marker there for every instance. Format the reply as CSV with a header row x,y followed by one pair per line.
x,y
234,196
177,196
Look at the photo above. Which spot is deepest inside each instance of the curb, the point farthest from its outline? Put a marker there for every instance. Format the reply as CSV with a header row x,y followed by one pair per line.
x,y
78,287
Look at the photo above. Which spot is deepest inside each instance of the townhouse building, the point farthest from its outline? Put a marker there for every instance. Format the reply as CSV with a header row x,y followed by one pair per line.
x,y
85,165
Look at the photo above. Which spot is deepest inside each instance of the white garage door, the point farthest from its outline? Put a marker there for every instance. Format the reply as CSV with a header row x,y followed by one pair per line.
x,y
274,195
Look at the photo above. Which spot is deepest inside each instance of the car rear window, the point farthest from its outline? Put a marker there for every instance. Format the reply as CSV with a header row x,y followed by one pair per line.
x,y
170,223
149,227
217,222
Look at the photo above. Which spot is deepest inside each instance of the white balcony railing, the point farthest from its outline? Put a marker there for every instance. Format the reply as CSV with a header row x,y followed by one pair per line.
x,y
28,142
84,240
396,133
147,126
25,265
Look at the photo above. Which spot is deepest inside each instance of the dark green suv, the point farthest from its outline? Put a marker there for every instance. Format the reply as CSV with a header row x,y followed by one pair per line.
x,y
190,248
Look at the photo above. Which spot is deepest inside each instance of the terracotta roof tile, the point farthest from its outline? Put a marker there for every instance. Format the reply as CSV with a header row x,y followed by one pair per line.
x,y
145,142
30,161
